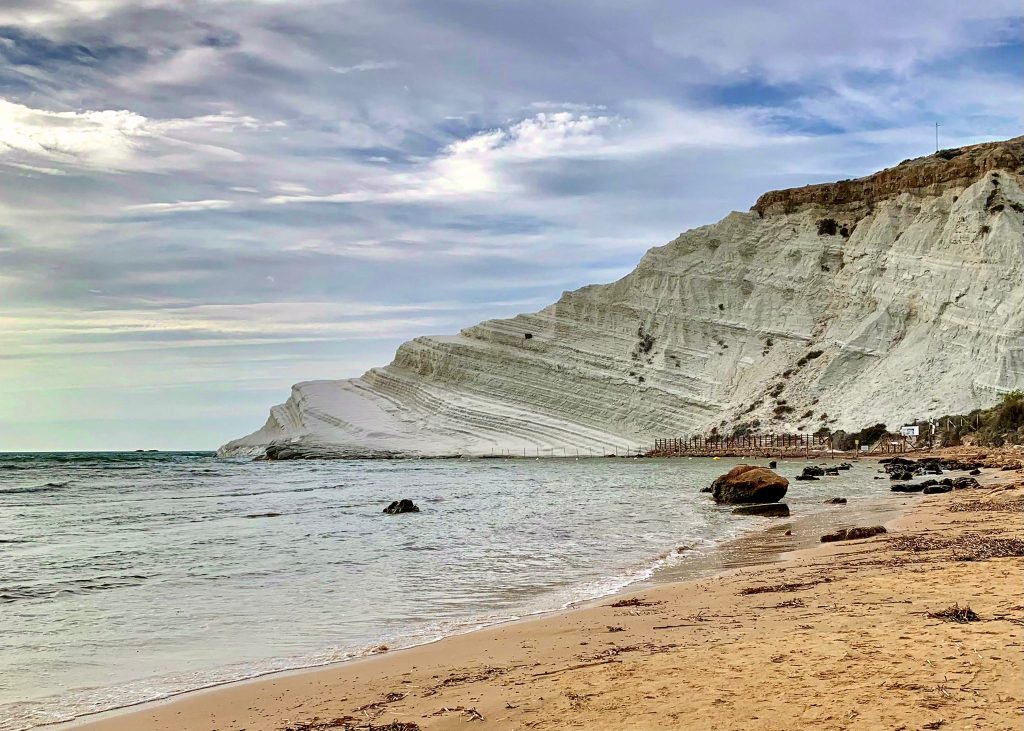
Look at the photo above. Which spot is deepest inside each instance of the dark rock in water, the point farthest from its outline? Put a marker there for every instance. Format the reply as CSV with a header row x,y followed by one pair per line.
x,y
746,483
844,466
905,475
806,477
975,471
772,465
936,489
963,483
908,488
836,501
813,471
706,489
928,483
832,471
772,510
401,506
946,481
852,534
263,515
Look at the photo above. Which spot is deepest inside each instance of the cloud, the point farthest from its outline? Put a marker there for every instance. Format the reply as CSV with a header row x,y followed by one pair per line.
x,y
471,155
104,139
180,206
365,66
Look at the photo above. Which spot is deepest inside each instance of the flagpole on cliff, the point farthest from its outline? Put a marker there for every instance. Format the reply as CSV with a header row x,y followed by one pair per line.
x,y
936,136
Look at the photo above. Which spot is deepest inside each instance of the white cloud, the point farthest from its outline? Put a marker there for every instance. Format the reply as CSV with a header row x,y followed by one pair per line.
x,y
365,66
36,168
474,166
118,140
179,206
103,139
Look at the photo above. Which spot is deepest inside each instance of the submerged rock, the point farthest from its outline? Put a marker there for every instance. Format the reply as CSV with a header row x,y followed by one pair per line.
x,y
836,501
772,510
401,506
852,534
749,484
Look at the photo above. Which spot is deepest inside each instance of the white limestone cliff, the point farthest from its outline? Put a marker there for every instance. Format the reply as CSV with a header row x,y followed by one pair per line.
x,y
912,307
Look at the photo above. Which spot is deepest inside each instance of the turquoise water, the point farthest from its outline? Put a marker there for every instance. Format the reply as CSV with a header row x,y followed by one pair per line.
x,y
128,577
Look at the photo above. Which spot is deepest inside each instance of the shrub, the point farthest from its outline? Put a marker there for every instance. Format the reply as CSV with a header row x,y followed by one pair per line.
x,y
948,154
808,357
827,227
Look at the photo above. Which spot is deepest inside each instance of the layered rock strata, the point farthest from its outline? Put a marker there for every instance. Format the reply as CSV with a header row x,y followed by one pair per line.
x,y
896,296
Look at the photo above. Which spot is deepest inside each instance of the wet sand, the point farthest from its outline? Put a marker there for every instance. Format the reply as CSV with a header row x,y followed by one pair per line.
x,y
825,636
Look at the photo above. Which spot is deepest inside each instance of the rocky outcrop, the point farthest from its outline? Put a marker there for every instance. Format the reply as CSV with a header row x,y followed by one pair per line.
x,y
772,510
911,305
922,176
401,506
749,484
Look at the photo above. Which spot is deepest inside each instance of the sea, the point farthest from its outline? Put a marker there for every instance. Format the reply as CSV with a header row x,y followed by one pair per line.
x,y
129,577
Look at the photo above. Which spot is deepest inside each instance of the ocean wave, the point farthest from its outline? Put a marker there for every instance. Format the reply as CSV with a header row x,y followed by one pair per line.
x,y
48,487
74,587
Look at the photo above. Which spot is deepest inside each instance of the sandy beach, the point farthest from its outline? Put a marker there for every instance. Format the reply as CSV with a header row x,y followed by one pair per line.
x,y
843,635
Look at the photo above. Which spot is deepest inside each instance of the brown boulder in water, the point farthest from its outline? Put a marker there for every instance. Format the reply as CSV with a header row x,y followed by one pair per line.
x,y
746,483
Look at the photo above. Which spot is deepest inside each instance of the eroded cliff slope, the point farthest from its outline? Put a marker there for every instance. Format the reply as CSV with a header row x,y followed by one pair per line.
x,y
894,296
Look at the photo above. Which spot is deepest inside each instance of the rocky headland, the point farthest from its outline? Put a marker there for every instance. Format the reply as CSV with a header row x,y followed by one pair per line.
x,y
892,297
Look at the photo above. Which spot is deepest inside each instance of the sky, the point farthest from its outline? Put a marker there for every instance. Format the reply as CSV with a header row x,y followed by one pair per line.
x,y
202,203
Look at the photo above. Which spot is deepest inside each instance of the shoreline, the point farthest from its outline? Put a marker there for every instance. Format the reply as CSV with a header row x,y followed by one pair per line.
x,y
760,546
852,644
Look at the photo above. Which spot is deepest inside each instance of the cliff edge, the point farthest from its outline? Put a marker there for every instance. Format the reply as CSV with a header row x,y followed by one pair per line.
x,y
895,296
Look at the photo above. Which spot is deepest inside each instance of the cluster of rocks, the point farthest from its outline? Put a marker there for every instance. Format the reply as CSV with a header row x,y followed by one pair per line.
x,y
901,470
816,472
932,487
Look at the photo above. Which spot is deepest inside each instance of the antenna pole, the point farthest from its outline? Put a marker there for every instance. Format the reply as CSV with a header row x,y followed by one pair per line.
x,y
936,136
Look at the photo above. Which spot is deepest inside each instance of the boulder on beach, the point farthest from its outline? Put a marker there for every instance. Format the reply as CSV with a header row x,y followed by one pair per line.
x,y
937,489
401,506
963,483
852,534
836,501
771,510
749,484
913,487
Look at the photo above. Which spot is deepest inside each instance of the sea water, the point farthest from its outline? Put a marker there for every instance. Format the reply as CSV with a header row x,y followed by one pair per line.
x,y
126,577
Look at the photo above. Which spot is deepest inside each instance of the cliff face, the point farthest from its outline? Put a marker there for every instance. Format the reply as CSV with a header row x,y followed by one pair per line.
x,y
895,296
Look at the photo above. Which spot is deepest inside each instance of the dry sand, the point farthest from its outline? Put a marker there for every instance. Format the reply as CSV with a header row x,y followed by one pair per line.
x,y
832,637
